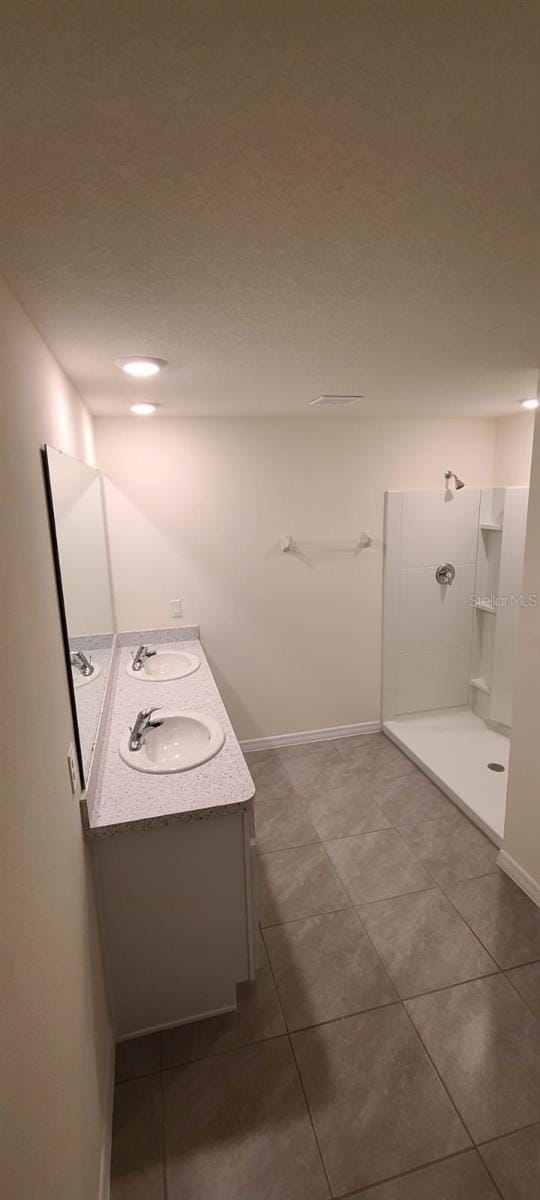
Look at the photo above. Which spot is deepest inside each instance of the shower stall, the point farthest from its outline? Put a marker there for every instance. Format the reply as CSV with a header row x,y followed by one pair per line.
x,y
453,566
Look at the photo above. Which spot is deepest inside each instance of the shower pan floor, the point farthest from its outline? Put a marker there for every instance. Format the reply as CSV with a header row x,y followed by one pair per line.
x,y
453,746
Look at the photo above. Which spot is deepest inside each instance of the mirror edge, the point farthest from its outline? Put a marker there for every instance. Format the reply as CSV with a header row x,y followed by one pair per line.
x,y
62,613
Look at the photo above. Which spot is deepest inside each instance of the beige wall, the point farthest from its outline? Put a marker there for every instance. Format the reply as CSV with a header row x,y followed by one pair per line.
x,y
522,830
196,509
513,450
58,1042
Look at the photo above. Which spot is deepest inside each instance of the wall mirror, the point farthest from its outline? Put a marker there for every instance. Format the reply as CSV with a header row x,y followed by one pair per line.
x,y
77,517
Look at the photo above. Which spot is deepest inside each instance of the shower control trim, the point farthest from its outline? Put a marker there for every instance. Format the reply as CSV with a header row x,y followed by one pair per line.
x,y
446,573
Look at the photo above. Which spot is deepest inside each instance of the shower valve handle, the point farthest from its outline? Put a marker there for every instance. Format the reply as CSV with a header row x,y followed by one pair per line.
x,y
446,573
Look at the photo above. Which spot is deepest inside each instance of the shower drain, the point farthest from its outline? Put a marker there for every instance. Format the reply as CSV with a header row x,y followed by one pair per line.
x,y
495,767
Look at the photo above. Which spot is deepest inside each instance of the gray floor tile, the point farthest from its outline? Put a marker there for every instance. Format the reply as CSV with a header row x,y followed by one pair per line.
x,y
301,751
325,968
257,1017
282,823
375,754
514,1162
486,1045
269,778
411,799
502,916
139,1056
137,1144
377,1104
362,745
237,1129
461,1178
315,774
375,866
296,883
453,849
344,809
424,943
527,981
389,762
252,756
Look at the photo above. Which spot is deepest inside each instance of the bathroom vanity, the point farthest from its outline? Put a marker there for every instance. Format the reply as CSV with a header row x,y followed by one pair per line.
x,y
174,852
167,799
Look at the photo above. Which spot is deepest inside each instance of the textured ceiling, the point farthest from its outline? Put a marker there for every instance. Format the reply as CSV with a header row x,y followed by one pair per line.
x,y
280,198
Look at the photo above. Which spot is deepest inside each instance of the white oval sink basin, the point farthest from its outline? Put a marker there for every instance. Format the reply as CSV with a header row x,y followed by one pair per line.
x,y
166,664
80,680
184,740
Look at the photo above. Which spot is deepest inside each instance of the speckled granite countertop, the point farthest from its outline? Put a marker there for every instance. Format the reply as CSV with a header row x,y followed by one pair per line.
x,y
122,798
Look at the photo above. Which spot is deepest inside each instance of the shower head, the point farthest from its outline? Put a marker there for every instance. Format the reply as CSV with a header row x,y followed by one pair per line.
x,y
452,475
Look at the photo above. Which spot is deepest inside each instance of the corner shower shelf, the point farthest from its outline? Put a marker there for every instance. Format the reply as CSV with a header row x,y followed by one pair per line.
x,y
488,527
489,608
481,685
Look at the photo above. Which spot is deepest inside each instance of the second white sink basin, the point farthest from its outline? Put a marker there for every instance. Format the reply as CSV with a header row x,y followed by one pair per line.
x,y
166,664
184,740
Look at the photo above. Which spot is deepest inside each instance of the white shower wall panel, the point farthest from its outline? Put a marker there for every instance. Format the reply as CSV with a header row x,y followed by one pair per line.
x,y
433,679
428,626
439,526
433,617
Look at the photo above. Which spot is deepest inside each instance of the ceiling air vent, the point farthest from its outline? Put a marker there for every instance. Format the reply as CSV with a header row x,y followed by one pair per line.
x,y
335,400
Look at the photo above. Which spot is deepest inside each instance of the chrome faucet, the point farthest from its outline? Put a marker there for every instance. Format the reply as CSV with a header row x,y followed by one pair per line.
x,y
83,664
142,725
141,653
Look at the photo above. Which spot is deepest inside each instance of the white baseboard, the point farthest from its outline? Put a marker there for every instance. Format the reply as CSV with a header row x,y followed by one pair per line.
x,y
310,735
200,1016
520,876
105,1167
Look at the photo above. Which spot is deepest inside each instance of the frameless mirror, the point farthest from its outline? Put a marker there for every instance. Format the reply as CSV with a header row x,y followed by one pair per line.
x,y
77,516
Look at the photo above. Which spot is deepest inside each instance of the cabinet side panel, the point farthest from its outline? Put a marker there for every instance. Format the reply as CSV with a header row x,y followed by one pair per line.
x,y
173,905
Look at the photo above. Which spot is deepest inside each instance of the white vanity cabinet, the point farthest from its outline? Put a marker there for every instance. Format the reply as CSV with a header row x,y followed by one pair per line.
x,y
178,920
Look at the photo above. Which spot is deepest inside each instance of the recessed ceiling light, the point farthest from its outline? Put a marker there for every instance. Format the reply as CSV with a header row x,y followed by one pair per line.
x,y
141,367
530,403
143,410
335,400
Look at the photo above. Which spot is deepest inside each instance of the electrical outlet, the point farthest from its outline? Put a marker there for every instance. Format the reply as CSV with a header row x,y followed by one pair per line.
x,y
72,768
176,608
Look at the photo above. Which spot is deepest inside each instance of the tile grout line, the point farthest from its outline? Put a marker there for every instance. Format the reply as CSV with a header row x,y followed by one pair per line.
x,y
412,1171
490,1173
516,989
474,1147
497,969
500,1137
416,1032
439,886
353,903
298,1074
356,1012
475,1144
374,948
401,1002
481,875
438,1074
306,917
500,966
469,926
